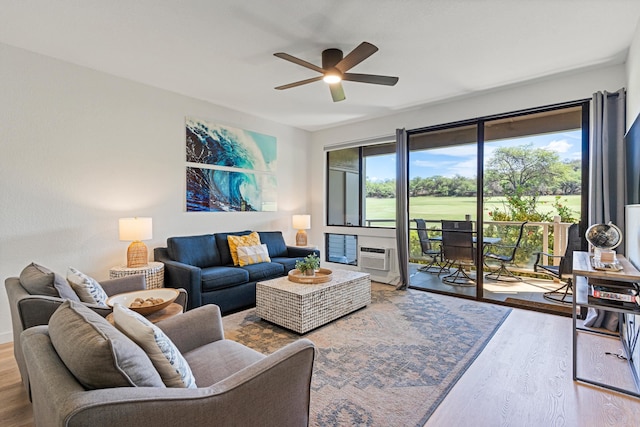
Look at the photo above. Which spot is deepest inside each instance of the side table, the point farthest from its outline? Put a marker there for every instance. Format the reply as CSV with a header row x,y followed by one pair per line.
x,y
153,273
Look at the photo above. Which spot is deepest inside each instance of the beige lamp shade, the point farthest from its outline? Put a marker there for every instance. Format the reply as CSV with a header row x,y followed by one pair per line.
x,y
301,223
134,230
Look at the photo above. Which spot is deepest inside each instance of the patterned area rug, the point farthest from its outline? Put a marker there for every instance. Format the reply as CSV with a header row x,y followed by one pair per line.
x,y
388,364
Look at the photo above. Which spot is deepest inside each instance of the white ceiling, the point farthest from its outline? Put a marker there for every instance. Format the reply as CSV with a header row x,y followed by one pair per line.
x,y
222,50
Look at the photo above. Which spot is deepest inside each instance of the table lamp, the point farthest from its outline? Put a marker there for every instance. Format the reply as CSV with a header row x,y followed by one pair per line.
x,y
301,223
135,230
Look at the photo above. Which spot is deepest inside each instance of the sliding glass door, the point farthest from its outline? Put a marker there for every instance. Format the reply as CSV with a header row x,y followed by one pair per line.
x,y
443,187
498,173
533,166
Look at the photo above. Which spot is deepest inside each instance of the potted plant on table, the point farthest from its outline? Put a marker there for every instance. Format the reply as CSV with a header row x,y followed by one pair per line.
x,y
308,265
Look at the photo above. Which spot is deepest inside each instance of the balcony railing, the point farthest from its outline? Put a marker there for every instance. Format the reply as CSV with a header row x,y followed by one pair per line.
x,y
546,237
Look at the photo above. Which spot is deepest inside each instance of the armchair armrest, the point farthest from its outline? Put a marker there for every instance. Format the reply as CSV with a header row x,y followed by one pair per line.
x,y
135,282
194,328
37,309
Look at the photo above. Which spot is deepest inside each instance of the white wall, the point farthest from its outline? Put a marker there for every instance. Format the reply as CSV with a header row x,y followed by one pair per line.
x,y
80,149
633,79
562,88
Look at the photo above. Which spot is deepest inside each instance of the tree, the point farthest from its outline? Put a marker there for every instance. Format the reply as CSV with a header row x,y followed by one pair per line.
x,y
523,171
570,178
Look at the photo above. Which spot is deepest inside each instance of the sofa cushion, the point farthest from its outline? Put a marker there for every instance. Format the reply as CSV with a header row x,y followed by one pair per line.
x,y
223,245
288,263
165,356
256,254
200,251
235,241
96,353
275,243
263,271
87,288
222,277
39,280
230,357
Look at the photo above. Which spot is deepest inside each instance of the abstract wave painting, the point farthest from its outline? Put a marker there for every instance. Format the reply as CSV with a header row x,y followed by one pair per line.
x,y
218,145
230,170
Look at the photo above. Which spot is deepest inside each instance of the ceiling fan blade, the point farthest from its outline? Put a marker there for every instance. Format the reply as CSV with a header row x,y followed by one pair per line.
x,y
300,83
299,61
370,78
356,56
337,92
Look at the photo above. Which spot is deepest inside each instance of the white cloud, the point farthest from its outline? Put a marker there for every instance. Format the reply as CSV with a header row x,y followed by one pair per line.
x,y
560,146
467,168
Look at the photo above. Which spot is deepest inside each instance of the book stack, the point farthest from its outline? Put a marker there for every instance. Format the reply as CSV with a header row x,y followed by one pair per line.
x,y
614,293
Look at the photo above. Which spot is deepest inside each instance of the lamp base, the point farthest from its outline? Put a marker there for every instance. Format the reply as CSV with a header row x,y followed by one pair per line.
x,y
137,255
301,238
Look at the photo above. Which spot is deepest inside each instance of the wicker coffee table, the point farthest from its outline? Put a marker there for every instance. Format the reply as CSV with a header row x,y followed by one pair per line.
x,y
303,307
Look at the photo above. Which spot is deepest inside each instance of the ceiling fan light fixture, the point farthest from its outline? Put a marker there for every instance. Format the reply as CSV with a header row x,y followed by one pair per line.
x,y
332,78
335,67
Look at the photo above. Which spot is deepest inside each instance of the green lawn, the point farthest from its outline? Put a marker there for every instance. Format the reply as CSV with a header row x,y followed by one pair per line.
x,y
437,208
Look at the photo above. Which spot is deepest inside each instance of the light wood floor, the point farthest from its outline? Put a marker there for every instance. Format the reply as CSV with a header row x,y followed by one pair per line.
x,y
522,378
15,408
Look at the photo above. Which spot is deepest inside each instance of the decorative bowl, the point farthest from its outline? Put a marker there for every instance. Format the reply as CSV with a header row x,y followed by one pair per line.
x,y
168,295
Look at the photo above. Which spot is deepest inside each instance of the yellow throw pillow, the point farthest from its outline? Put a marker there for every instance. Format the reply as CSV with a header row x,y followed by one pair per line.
x,y
235,241
248,255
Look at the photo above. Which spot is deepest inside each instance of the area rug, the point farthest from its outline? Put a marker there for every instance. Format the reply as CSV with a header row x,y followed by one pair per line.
x,y
388,364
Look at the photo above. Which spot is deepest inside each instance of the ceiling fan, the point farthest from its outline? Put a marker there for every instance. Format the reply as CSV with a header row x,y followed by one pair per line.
x,y
334,69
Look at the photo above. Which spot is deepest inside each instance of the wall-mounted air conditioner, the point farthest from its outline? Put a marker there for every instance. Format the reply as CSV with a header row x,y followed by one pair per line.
x,y
374,258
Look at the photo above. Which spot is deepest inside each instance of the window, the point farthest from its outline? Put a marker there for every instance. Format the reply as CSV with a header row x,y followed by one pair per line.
x,y
361,186
342,249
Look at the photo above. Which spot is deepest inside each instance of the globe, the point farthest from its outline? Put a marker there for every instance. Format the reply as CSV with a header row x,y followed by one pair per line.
x,y
604,236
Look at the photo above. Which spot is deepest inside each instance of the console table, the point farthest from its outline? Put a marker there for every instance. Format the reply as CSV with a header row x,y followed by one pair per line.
x,y
583,271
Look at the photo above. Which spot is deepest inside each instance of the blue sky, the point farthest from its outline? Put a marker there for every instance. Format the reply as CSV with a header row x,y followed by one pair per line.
x,y
461,159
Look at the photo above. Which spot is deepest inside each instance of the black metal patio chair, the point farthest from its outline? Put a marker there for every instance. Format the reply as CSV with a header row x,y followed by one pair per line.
x,y
430,248
504,254
458,250
564,270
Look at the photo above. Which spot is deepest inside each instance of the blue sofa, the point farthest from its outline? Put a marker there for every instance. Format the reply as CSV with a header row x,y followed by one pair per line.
x,y
203,266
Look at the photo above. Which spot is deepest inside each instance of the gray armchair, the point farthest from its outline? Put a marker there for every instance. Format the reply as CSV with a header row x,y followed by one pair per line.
x,y
237,386
29,310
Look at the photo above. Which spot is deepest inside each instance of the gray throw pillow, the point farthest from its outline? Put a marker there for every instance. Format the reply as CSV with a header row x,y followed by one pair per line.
x,y
38,280
64,288
96,353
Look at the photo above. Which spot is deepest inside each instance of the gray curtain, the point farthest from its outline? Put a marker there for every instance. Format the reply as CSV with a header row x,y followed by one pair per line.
x,y
607,181
402,221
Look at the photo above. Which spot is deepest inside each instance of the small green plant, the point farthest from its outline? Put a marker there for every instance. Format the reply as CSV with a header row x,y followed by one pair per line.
x,y
309,263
